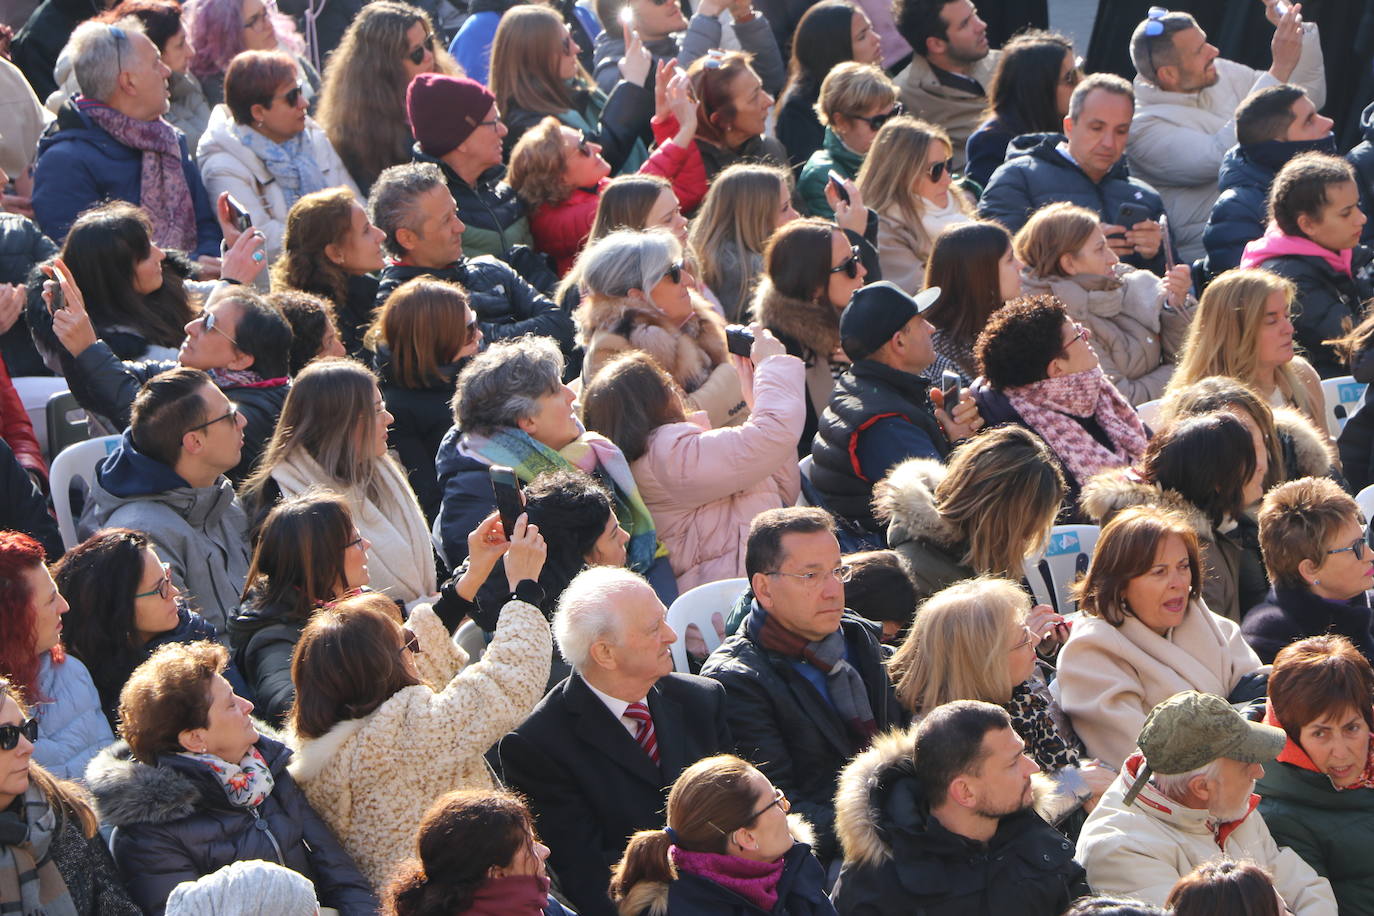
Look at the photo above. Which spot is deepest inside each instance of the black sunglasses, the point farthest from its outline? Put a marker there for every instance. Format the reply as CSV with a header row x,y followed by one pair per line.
x,y
582,148
938,170
417,53
675,271
849,265
292,97
9,734
410,641
877,121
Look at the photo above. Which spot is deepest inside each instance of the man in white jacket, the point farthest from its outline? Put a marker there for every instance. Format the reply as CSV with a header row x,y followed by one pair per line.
x,y
1186,97
1186,798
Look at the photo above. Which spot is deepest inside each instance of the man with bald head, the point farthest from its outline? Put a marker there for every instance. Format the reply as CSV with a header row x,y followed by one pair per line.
x,y
596,757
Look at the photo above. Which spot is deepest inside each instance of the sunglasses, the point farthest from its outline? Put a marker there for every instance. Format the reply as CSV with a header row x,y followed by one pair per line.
x,y
877,121
417,53
231,413
584,148
410,641
9,734
293,96
163,589
212,325
937,171
119,38
1154,27
674,271
849,265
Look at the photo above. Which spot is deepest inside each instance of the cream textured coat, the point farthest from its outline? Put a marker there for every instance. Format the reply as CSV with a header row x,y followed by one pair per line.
x,y
704,486
373,778
957,110
1136,338
1111,677
1142,850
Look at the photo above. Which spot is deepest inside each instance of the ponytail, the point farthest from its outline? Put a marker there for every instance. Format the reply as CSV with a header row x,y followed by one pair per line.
x,y
645,859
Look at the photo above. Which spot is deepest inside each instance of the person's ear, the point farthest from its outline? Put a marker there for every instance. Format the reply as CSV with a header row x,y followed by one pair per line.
x,y
962,793
744,838
1166,77
935,46
603,655
635,292
334,253
1306,224
1056,368
407,238
1067,125
1068,264
192,443
257,112
763,589
526,425
1308,570
1200,788
192,739
241,360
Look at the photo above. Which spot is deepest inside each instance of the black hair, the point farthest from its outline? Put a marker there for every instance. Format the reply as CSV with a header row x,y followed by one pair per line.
x,y
1022,92
1207,460
822,39
262,332
1266,114
917,20
1020,341
949,743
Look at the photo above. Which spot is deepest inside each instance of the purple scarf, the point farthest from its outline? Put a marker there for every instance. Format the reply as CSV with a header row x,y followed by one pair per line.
x,y
164,193
513,895
756,882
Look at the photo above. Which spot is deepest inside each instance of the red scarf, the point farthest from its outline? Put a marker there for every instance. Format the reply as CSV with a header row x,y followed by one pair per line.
x,y
513,895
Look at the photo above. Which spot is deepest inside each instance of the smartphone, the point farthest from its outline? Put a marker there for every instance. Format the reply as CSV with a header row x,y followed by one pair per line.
x,y
58,302
238,215
510,499
839,187
1128,214
949,386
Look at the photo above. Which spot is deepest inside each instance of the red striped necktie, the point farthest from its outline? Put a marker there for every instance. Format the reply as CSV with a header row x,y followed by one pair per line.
x,y
644,731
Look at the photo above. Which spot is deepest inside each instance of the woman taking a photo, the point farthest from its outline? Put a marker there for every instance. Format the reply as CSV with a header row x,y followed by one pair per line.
x,y
333,433
906,180
1316,798
727,837
636,297
123,606
977,640
56,860
1138,321
982,513
703,486
810,270
363,107
308,554
263,148
197,787
372,689
1145,633
856,101
535,73
732,113
72,728
330,248
977,272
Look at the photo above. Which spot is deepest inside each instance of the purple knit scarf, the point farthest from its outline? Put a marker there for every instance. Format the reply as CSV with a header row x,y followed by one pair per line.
x,y
164,193
756,882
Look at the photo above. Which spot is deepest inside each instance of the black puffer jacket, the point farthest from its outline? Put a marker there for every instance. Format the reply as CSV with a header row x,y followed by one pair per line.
x,y
1328,302
898,859
172,823
1290,614
1362,158
23,246
422,416
263,636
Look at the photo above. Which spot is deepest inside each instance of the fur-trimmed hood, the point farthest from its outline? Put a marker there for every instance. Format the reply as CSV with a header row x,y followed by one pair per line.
x,y
688,352
905,500
862,792
814,326
1108,493
1311,453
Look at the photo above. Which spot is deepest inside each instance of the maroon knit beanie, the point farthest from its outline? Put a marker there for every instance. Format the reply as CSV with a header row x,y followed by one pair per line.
x,y
444,110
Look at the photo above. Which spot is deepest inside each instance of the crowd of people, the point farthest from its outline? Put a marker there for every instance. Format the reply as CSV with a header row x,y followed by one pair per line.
x,y
438,352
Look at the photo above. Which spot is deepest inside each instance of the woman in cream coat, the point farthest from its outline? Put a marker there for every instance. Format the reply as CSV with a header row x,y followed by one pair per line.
x,y
1145,633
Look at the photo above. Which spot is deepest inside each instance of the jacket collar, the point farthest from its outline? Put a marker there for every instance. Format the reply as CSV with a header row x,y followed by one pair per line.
x,y
1159,806
840,154
812,325
1046,148
604,735
914,388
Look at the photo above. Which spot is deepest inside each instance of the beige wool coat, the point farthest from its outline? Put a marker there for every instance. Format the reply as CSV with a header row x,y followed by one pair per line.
x,y
373,778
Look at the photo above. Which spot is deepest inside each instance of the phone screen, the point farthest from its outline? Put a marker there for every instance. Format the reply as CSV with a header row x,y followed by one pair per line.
x,y
510,500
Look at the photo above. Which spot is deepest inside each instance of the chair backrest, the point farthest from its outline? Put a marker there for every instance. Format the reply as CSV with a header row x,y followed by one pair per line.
x,y
471,639
1066,556
76,463
1149,412
1343,395
696,606
804,494
1365,500
66,423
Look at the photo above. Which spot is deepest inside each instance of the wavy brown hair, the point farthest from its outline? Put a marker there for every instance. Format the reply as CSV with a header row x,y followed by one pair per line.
x,y
315,222
537,164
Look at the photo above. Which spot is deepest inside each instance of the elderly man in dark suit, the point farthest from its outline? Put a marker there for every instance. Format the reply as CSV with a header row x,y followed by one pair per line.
x,y
596,757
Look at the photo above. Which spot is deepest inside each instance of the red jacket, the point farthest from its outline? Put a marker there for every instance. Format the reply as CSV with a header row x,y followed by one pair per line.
x,y
16,428
561,229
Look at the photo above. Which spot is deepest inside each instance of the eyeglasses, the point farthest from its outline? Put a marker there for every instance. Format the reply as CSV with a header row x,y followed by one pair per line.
x,y
850,265
119,38
1359,547
674,271
231,413
1029,640
9,734
779,801
417,53
410,641
259,19
356,542
293,96
1075,74
938,170
1080,333
876,122
163,589
814,579
211,324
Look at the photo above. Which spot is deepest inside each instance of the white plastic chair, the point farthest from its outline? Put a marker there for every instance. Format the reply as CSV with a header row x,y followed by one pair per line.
x,y
1343,396
1149,412
1066,556
76,462
1365,500
696,606
804,466
471,640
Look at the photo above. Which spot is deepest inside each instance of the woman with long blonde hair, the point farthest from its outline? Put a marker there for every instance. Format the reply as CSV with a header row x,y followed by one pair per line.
x,y
906,180
977,640
745,205
363,107
1243,328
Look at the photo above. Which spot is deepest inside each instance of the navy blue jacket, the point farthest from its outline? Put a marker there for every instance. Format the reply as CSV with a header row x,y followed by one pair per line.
x,y
466,498
1238,217
1036,173
80,165
1362,158
1290,614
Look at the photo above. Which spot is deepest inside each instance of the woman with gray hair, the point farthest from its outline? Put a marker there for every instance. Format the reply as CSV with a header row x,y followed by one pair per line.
x,y
635,296
512,409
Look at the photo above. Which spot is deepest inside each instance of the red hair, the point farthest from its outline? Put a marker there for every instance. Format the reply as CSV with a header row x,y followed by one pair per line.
x,y
19,553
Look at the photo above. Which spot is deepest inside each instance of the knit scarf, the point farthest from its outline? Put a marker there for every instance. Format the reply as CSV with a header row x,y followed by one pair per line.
x,y
242,378
513,895
30,884
246,784
591,453
291,163
1050,405
756,882
847,690
164,193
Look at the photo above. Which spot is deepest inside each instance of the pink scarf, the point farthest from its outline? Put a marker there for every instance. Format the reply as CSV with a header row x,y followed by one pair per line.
x,y
1275,244
1049,407
164,193
756,882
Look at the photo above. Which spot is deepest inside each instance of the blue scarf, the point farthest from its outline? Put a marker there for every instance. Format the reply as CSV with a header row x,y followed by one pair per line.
x,y
291,164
